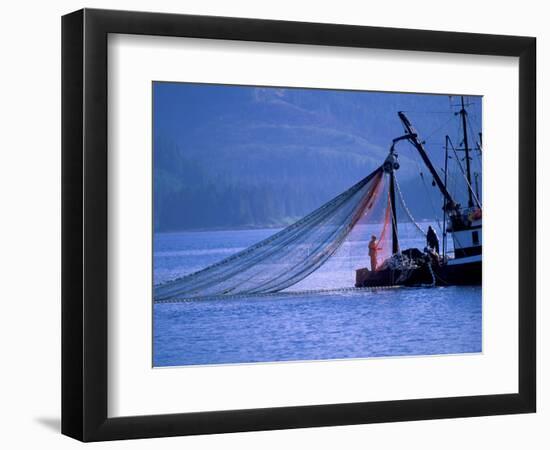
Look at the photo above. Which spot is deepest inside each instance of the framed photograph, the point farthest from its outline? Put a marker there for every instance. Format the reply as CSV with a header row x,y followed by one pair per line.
x,y
273,224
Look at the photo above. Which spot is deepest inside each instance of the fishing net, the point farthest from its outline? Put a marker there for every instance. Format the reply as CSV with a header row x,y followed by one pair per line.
x,y
339,271
292,254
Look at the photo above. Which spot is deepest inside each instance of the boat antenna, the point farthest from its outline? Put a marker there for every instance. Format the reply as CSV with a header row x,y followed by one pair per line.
x,y
463,114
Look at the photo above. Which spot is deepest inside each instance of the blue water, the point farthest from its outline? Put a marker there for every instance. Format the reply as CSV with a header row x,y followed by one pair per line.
x,y
298,327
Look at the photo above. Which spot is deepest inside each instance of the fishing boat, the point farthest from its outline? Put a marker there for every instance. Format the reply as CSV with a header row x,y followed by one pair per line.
x,y
462,224
287,257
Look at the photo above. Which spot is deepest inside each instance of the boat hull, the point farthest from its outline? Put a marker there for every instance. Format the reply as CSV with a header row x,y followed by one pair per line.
x,y
457,274
465,274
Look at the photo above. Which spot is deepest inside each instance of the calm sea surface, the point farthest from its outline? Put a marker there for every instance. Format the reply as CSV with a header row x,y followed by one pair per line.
x,y
297,327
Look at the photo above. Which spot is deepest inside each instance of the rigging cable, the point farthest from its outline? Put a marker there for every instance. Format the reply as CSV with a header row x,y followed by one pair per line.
x,y
427,192
406,209
464,175
477,150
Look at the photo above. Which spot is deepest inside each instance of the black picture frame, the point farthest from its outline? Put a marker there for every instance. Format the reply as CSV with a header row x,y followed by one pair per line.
x,y
84,224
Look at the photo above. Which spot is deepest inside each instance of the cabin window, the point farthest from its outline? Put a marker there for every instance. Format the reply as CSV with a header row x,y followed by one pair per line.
x,y
475,237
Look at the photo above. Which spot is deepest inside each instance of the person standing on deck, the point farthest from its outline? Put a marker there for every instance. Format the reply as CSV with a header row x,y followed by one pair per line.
x,y
432,240
373,249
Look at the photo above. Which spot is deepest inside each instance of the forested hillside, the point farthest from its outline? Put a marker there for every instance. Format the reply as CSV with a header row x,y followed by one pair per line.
x,y
259,157
189,196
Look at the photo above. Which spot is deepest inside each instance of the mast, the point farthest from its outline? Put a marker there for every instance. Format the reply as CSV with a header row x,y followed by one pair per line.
x,y
391,165
395,239
447,139
467,153
412,137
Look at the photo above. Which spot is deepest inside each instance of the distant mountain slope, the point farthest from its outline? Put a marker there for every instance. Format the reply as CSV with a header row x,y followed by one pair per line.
x,y
253,157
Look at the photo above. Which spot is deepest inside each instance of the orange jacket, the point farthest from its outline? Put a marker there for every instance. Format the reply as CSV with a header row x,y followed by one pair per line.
x,y
372,248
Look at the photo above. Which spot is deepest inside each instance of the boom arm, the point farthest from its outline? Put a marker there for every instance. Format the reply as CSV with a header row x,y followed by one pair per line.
x,y
412,137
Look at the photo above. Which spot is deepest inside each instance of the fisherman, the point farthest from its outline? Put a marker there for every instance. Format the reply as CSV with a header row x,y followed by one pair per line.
x,y
432,240
373,249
